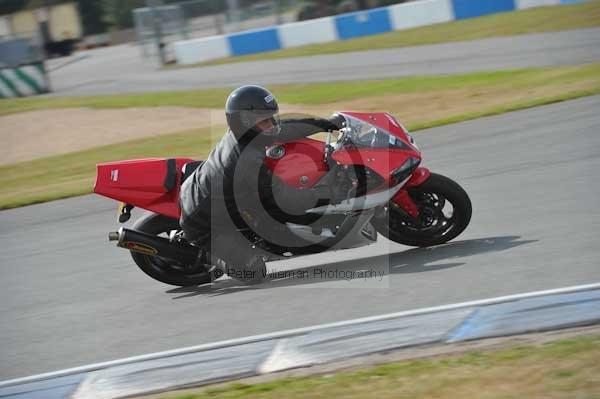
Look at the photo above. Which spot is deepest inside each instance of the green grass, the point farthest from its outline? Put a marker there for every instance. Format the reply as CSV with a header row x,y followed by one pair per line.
x,y
73,174
324,93
494,92
211,98
562,369
501,109
315,93
309,93
535,20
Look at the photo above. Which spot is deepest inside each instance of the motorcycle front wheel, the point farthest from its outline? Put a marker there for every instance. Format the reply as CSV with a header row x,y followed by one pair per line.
x,y
166,270
444,212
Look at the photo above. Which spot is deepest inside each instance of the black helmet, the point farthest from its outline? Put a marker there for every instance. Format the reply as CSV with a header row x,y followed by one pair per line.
x,y
252,111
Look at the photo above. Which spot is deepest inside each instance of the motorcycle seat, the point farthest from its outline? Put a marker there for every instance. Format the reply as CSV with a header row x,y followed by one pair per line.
x,y
188,169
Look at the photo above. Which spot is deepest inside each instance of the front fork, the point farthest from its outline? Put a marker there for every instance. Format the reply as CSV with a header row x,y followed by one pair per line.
x,y
404,200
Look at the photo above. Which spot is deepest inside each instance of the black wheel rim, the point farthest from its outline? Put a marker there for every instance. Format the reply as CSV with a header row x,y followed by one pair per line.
x,y
437,215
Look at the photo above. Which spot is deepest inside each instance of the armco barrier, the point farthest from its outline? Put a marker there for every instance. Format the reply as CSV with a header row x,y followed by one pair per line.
x,y
522,4
314,31
256,41
363,23
23,81
201,50
346,26
419,13
470,8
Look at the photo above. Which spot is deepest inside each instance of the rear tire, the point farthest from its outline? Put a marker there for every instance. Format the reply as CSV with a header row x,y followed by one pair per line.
x,y
434,227
166,270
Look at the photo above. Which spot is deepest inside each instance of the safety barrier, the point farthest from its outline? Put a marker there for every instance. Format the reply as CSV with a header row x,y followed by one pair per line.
x,y
23,81
346,26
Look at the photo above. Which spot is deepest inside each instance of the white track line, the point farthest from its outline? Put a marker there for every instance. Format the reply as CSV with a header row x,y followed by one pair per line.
x,y
297,331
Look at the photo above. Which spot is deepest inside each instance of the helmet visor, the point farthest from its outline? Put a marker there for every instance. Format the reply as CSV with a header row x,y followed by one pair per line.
x,y
268,124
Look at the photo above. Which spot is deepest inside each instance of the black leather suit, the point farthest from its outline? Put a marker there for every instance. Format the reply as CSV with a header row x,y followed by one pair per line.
x,y
231,183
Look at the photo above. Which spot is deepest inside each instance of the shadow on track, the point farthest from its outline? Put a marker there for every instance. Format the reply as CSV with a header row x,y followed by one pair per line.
x,y
417,260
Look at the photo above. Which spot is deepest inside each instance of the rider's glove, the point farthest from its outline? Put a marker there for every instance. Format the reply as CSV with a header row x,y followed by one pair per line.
x,y
328,125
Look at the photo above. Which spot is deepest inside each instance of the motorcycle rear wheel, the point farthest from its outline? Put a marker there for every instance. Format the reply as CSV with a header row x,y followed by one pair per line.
x,y
436,224
166,270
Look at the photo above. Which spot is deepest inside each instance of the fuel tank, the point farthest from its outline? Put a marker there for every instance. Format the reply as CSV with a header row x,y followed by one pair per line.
x,y
300,163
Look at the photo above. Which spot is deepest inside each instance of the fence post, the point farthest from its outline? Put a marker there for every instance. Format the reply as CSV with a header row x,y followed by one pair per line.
x,y
156,24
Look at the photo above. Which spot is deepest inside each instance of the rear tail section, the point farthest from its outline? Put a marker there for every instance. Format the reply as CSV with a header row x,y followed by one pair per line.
x,y
151,184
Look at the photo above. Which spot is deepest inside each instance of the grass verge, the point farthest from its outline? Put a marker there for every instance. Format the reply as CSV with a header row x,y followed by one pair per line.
x,y
562,369
320,93
534,20
419,102
73,174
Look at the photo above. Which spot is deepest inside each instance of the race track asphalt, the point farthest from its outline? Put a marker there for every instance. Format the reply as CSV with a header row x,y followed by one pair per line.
x,y
121,69
68,297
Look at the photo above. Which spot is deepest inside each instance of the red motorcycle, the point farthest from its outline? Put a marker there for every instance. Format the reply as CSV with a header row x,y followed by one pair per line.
x,y
377,162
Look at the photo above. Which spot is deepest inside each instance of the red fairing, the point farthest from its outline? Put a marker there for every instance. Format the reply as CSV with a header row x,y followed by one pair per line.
x,y
303,164
381,161
151,184
418,177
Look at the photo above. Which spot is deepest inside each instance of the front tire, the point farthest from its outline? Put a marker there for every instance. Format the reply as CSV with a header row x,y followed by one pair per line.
x,y
166,270
436,225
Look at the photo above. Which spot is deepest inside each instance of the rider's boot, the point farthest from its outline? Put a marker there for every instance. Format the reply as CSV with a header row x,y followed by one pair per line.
x,y
253,272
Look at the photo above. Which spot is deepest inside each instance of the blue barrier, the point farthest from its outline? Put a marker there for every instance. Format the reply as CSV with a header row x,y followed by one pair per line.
x,y
257,41
346,26
363,23
475,8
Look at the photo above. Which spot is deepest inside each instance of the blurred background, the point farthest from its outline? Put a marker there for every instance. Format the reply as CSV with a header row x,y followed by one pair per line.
x,y
34,29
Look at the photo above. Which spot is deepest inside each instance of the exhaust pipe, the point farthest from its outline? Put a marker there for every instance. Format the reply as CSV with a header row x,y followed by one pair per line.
x,y
148,244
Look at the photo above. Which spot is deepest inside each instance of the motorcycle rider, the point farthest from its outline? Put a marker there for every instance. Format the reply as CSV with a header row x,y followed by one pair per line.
x,y
233,182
